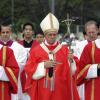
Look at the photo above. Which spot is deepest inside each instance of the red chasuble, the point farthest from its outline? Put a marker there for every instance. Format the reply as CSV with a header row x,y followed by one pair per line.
x,y
90,56
11,68
62,83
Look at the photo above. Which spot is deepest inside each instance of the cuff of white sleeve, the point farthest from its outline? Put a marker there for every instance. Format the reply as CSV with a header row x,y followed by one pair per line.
x,y
40,71
14,96
26,96
3,75
92,72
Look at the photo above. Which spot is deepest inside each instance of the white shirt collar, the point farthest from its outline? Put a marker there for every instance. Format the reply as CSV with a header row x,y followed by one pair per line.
x,y
97,42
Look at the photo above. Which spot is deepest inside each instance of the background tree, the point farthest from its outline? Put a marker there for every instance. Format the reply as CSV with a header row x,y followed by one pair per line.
x,y
36,10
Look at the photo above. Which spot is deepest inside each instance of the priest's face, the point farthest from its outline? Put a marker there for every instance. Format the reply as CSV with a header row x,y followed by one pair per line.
x,y
51,37
28,31
40,38
91,31
5,33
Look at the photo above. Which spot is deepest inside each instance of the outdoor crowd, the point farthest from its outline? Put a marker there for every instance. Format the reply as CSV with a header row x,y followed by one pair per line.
x,y
47,68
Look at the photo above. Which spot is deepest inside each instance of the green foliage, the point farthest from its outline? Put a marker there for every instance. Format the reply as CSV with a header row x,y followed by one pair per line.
x,y
36,10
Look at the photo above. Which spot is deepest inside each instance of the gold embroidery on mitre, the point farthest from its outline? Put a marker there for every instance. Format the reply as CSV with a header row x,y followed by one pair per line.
x,y
50,30
51,21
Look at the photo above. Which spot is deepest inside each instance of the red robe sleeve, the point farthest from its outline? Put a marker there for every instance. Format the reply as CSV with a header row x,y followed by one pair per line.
x,y
77,67
84,64
29,69
11,68
34,44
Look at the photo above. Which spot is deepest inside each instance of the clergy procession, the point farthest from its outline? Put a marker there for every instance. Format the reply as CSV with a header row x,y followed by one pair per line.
x,y
46,67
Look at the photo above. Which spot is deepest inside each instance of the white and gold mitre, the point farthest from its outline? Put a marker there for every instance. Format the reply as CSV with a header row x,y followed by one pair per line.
x,y
50,24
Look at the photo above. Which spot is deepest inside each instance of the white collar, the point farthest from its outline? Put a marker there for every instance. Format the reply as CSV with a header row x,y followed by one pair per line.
x,y
53,51
97,42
